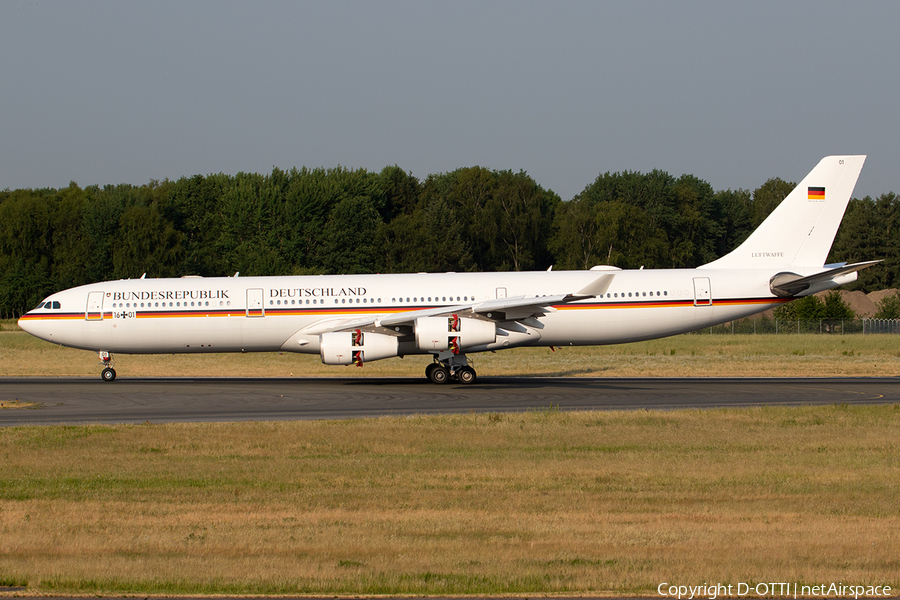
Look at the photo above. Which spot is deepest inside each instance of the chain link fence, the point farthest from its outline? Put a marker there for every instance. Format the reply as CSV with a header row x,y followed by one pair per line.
x,y
789,326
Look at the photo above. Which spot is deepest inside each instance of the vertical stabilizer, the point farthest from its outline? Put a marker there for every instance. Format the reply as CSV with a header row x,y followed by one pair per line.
x,y
800,231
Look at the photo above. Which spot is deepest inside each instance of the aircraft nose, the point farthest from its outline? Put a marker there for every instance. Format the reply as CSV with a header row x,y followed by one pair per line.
x,y
34,326
24,324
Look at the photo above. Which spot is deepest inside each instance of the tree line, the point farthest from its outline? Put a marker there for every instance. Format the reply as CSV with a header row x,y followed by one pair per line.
x,y
833,308
318,221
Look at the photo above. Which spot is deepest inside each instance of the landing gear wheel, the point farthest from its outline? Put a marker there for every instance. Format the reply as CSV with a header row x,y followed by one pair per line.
x,y
108,374
429,369
439,374
466,375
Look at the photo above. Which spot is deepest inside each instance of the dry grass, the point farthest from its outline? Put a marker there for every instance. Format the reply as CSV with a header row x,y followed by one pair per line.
x,y
14,404
789,355
537,503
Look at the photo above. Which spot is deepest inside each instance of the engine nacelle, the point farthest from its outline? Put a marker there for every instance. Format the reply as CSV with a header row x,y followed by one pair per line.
x,y
453,333
355,347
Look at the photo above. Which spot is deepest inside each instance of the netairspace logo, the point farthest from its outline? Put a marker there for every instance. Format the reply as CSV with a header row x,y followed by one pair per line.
x,y
772,590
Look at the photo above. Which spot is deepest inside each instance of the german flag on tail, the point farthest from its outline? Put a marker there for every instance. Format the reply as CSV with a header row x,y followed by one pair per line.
x,y
816,193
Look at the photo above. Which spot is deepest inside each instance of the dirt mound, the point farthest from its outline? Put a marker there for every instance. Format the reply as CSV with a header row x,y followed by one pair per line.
x,y
859,302
864,305
880,295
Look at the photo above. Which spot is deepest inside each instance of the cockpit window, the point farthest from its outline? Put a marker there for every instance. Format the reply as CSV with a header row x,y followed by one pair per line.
x,y
56,304
41,305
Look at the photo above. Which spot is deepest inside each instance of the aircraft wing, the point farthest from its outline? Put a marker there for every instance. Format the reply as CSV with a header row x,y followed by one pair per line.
x,y
501,309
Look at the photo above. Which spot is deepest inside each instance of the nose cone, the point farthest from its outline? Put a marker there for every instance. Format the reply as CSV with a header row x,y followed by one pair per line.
x,y
32,323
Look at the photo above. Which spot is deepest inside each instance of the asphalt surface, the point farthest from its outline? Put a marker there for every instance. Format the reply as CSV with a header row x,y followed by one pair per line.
x,y
74,401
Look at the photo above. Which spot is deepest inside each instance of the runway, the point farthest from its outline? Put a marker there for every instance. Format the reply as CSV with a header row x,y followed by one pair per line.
x,y
167,400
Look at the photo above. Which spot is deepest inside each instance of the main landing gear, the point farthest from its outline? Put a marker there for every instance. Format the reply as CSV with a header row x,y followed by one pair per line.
x,y
108,373
454,367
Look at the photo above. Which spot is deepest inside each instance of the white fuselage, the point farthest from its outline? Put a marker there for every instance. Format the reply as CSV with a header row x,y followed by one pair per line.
x,y
265,314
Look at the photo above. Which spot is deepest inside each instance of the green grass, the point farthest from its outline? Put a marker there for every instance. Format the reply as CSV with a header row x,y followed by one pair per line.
x,y
536,503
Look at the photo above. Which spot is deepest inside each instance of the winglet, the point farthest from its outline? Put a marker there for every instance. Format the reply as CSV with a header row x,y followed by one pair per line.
x,y
597,287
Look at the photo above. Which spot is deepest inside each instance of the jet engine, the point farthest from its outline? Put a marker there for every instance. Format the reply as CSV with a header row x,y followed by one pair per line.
x,y
453,333
355,347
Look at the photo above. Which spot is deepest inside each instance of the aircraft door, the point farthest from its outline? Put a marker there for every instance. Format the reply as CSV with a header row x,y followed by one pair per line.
x,y
255,306
702,292
94,309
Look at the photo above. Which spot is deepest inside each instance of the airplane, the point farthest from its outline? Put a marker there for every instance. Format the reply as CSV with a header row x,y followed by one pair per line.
x,y
354,319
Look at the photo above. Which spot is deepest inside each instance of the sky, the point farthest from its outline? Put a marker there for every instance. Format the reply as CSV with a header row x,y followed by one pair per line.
x,y
732,92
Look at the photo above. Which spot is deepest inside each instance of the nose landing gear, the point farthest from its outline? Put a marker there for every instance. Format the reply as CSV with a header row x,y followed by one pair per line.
x,y
108,373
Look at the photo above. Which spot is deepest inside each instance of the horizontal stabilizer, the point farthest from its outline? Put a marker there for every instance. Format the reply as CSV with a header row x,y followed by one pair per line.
x,y
786,285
